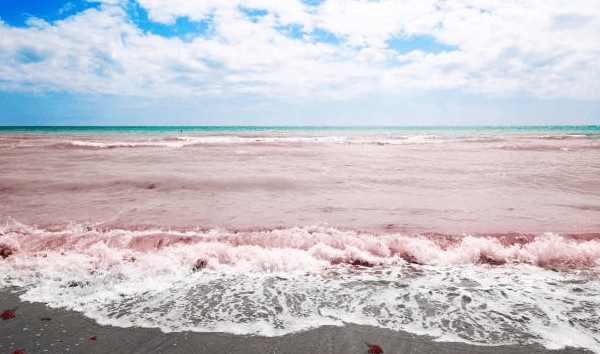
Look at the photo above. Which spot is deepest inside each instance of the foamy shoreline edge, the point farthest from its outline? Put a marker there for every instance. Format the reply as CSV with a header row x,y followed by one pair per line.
x,y
70,331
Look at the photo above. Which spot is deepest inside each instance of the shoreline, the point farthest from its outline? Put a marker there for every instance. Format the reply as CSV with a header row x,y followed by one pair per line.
x,y
70,332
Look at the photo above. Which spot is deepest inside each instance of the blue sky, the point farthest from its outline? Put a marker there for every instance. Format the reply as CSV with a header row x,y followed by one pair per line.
x,y
280,62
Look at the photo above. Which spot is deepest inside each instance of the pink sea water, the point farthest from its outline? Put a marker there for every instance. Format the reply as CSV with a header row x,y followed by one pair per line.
x,y
487,236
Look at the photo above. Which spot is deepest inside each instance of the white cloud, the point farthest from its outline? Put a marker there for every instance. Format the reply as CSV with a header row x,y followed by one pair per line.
x,y
371,23
545,48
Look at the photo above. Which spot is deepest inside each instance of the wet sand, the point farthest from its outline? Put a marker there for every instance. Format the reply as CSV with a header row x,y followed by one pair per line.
x,y
39,329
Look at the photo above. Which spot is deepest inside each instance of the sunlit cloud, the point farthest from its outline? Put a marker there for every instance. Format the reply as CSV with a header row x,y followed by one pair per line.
x,y
338,49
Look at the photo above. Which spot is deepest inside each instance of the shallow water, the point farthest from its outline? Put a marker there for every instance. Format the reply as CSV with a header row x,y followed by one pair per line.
x,y
479,235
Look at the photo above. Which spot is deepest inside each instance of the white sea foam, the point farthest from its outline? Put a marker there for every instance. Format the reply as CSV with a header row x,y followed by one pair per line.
x,y
272,282
187,141
122,144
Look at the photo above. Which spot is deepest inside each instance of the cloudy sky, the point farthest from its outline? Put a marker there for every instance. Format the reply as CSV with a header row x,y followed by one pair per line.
x,y
299,62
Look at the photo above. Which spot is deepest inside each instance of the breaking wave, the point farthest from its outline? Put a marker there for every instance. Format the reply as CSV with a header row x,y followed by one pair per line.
x,y
313,248
497,289
191,141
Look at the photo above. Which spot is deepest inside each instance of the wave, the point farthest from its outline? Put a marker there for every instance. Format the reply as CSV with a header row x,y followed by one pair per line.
x,y
191,141
120,144
521,142
156,183
314,249
180,142
552,144
564,136
548,147
485,139
495,289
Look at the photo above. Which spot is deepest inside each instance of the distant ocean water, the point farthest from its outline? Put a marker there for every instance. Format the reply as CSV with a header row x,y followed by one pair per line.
x,y
160,129
486,235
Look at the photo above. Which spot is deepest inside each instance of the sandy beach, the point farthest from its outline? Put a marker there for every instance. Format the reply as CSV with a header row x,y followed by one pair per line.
x,y
40,329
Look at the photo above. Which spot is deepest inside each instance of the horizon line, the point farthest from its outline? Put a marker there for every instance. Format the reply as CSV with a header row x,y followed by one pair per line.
x,y
302,126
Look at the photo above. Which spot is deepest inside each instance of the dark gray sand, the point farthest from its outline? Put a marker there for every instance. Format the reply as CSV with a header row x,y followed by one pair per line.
x,y
70,332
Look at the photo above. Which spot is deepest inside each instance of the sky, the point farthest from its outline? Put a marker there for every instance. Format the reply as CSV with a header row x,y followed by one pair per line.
x,y
299,62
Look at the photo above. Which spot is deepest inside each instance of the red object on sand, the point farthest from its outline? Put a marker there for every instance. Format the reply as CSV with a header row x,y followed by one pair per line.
x,y
45,319
8,314
375,349
18,351
94,337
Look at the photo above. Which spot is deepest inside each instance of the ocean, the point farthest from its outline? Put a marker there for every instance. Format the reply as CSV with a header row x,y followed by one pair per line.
x,y
482,235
